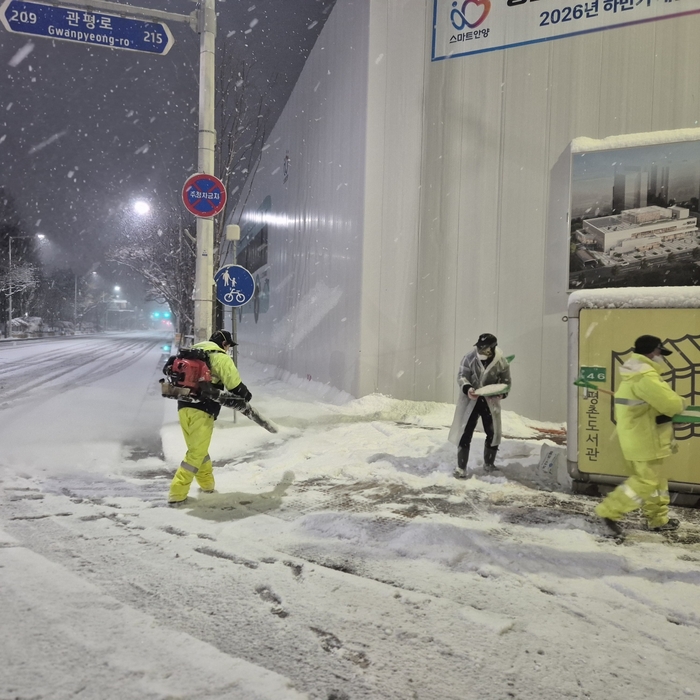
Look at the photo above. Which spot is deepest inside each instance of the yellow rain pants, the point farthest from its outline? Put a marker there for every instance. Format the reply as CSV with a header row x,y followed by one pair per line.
x,y
646,489
197,428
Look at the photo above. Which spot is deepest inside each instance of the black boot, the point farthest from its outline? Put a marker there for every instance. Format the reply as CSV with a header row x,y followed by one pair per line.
x,y
462,458
490,458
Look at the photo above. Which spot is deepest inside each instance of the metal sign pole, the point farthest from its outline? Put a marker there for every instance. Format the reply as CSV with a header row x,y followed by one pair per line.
x,y
9,295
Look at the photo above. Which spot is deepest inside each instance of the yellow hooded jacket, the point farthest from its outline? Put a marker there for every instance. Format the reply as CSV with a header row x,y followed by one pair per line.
x,y
223,370
643,396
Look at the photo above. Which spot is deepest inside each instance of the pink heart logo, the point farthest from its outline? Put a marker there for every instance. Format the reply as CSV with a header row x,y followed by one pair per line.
x,y
485,6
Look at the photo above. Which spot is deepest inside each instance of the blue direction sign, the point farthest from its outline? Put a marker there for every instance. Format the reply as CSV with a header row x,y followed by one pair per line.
x,y
85,27
235,286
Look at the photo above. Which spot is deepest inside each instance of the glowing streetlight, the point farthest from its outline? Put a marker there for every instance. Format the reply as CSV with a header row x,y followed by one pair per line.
x,y
142,207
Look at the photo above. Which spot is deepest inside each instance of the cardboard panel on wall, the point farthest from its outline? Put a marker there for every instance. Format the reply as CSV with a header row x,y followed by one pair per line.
x,y
606,338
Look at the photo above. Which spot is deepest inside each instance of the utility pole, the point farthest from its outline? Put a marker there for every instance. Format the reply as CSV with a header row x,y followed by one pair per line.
x,y
9,297
204,270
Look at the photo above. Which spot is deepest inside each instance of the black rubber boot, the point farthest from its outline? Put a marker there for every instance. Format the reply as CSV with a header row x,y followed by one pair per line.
x,y
460,471
490,458
669,526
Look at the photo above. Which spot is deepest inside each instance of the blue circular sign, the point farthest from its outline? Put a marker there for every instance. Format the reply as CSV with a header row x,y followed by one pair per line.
x,y
235,286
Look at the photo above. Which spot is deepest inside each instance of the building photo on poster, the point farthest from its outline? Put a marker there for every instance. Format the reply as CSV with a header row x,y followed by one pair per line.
x,y
634,212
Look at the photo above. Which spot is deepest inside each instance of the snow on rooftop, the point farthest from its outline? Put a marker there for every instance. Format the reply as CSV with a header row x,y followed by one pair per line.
x,y
635,297
583,144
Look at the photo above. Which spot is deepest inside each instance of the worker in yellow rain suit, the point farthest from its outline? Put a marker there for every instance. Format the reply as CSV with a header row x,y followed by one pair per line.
x,y
644,404
197,419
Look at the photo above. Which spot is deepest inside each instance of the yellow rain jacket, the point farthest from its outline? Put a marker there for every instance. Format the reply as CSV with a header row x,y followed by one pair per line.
x,y
223,370
643,396
197,423
224,374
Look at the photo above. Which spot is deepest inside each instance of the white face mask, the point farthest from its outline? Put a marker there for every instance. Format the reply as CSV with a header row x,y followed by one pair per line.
x,y
482,357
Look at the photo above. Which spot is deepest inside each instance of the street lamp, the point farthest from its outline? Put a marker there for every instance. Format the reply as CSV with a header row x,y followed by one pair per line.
x,y
41,237
141,207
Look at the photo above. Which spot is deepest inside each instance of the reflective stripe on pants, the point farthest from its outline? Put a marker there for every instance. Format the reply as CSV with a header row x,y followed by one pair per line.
x,y
646,489
197,427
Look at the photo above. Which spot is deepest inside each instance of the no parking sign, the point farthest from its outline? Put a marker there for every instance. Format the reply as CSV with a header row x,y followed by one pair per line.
x,y
204,195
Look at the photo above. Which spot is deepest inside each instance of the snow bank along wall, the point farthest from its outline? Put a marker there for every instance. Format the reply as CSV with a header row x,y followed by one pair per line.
x,y
403,206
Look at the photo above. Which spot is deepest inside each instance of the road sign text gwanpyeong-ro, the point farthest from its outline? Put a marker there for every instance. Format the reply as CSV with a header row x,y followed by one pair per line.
x,y
86,27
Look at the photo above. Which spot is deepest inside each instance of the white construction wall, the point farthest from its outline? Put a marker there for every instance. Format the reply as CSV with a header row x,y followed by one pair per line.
x,y
431,198
310,324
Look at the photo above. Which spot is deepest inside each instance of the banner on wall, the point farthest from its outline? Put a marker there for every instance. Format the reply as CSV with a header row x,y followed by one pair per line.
x,y
606,338
634,211
464,27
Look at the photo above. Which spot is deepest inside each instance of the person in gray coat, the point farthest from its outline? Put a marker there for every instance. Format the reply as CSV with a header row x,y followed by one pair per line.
x,y
483,366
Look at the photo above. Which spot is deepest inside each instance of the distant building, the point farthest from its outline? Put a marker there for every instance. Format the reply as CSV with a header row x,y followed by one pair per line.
x,y
680,212
630,189
585,259
663,191
639,229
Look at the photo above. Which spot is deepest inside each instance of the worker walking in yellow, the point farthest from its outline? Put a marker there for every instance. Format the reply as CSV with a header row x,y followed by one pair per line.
x,y
197,419
644,404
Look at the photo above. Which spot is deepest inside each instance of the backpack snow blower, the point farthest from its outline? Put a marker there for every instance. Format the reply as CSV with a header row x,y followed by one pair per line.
x,y
189,379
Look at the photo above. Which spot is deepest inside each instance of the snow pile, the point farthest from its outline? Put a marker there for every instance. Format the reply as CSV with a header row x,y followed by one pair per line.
x,y
633,298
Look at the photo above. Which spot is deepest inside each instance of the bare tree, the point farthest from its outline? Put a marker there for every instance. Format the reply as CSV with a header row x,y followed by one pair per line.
x,y
20,278
164,257
242,118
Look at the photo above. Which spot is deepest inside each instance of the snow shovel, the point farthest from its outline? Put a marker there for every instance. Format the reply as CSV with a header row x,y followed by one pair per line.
x,y
593,387
495,389
690,415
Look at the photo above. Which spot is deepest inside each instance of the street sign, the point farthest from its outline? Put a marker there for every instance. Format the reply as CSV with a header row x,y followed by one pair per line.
x,y
86,27
235,286
204,195
594,374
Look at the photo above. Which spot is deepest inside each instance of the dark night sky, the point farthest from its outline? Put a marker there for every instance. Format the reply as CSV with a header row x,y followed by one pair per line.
x,y
86,130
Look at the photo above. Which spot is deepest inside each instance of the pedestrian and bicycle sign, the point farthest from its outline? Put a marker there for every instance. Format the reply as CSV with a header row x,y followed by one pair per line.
x,y
85,27
235,286
204,195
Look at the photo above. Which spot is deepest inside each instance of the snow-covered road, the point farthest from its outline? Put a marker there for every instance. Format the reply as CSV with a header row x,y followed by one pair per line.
x,y
339,560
